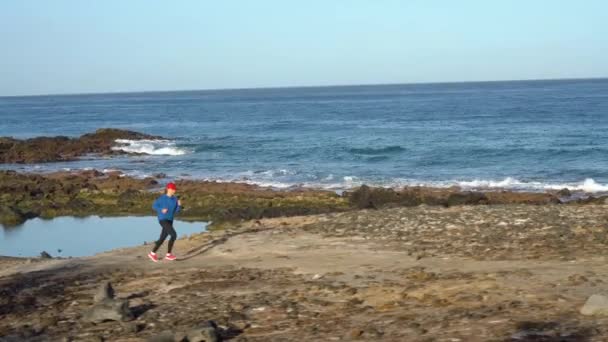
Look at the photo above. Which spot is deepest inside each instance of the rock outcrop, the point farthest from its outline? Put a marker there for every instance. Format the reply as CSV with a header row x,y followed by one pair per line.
x,y
107,307
62,148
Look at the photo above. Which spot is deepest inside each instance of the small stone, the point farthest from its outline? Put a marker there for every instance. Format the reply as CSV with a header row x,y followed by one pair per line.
x,y
109,310
205,332
355,333
104,292
595,305
133,327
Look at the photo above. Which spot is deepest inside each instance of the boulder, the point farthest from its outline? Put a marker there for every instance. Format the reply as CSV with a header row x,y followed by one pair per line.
x,y
204,332
107,308
595,305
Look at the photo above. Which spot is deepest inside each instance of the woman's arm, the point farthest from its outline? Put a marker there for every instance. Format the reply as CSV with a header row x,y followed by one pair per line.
x,y
156,205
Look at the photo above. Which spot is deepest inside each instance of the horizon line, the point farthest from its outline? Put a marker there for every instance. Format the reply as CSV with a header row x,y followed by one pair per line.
x,y
301,86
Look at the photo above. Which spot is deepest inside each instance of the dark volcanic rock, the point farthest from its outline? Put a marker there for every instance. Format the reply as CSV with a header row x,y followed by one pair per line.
x,y
93,193
61,148
366,197
10,216
467,198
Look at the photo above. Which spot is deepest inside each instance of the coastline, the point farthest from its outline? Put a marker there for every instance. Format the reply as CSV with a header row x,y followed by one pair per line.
x,y
426,273
370,263
91,192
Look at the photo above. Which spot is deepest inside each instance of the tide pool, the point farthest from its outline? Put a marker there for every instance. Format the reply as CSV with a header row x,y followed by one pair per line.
x,y
73,236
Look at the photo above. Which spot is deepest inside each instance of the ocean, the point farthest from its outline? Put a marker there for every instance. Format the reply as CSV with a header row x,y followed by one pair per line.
x,y
517,135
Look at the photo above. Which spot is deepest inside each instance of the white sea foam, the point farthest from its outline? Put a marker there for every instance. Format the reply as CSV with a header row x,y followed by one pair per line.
x,y
588,185
348,182
287,178
152,147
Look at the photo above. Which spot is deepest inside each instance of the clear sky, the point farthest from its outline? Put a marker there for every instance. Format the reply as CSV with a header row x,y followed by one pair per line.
x,y
61,46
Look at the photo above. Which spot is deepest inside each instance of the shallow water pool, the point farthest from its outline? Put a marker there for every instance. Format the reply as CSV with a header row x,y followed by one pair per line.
x,y
73,236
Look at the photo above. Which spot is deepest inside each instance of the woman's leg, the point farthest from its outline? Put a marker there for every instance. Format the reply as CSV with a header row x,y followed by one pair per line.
x,y
163,234
173,237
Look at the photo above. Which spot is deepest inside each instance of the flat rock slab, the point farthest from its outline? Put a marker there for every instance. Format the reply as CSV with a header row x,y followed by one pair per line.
x,y
595,305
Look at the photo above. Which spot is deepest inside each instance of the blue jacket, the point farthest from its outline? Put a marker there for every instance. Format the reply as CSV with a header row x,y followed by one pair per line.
x,y
170,203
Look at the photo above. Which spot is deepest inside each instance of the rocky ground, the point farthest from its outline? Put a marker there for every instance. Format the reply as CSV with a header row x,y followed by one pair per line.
x,y
81,193
424,273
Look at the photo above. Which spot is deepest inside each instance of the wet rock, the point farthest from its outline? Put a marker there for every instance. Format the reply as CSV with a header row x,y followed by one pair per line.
x,y
131,197
83,193
595,305
204,332
361,197
565,192
365,197
62,148
79,204
10,216
467,198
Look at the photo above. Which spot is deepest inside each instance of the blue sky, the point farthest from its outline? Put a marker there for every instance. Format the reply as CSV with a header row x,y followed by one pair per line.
x,y
51,47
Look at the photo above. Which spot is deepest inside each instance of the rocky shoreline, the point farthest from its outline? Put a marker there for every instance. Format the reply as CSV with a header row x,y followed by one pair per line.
x,y
411,264
82,193
426,273
91,192
24,196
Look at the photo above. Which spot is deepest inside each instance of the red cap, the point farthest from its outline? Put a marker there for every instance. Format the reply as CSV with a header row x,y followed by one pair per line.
x,y
171,186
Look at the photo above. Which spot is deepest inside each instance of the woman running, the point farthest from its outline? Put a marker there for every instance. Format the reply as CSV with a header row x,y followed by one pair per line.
x,y
166,207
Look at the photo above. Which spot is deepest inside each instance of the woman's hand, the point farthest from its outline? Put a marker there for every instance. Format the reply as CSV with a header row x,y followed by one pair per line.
x,y
164,211
179,202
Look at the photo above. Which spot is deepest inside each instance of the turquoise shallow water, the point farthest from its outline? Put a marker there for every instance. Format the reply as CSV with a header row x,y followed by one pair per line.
x,y
70,236
528,135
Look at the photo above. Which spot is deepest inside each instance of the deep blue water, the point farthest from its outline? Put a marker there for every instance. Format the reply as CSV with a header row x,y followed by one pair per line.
x,y
523,135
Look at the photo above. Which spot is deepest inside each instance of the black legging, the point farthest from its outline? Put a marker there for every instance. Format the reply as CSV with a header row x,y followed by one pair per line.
x,y
167,230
